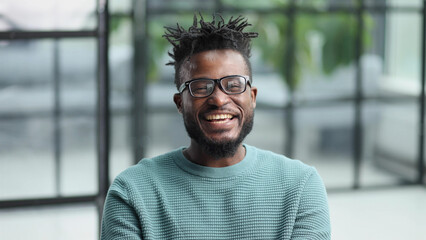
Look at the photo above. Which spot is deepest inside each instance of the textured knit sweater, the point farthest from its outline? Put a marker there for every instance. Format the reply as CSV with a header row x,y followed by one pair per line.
x,y
265,196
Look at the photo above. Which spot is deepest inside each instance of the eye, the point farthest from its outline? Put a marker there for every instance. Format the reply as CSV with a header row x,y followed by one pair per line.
x,y
199,87
234,84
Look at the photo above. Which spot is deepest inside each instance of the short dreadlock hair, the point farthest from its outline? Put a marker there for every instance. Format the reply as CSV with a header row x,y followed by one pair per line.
x,y
212,35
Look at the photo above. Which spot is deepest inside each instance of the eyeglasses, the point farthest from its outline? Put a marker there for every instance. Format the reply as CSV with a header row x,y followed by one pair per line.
x,y
203,87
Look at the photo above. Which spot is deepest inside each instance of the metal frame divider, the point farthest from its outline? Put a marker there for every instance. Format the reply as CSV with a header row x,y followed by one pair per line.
x,y
358,101
57,116
14,35
140,63
421,146
103,106
289,54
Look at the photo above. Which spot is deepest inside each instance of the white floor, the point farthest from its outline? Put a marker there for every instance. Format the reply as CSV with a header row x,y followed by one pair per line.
x,y
390,214
53,223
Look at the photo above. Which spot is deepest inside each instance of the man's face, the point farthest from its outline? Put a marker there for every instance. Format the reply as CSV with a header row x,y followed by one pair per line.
x,y
219,122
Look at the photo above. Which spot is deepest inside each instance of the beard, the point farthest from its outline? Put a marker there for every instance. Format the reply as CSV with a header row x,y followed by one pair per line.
x,y
217,148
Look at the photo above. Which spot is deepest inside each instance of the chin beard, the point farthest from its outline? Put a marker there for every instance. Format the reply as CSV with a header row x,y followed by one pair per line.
x,y
222,148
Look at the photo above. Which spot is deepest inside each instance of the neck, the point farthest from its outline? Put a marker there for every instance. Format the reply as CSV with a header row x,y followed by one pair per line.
x,y
196,154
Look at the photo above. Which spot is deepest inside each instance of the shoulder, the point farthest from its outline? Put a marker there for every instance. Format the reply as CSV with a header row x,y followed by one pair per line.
x,y
145,171
282,167
279,160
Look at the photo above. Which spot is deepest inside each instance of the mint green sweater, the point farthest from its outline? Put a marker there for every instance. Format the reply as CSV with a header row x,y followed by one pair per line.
x,y
265,196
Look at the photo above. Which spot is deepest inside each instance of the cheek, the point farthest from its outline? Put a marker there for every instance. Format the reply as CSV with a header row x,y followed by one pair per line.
x,y
247,104
253,105
189,107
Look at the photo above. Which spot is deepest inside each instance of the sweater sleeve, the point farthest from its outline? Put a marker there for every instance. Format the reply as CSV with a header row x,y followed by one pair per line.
x,y
312,220
119,221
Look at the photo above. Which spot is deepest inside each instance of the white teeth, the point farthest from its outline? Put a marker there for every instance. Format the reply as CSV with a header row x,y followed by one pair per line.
x,y
219,117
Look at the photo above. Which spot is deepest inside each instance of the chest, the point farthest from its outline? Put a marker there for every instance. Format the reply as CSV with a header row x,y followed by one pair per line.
x,y
234,209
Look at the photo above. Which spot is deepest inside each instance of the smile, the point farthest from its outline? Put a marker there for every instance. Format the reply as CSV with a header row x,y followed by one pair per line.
x,y
219,117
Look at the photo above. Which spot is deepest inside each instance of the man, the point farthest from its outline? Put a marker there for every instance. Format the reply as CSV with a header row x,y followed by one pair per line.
x,y
217,188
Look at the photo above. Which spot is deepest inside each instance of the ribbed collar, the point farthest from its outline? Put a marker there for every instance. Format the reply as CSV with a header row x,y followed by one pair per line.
x,y
216,172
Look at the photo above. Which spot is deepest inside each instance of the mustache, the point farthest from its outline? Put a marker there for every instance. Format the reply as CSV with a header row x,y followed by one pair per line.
x,y
215,109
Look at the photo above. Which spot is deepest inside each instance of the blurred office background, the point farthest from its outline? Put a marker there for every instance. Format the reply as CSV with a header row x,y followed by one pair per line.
x,y
341,87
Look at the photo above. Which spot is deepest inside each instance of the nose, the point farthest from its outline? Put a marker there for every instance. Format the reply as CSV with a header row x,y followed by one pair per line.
x,y
218,97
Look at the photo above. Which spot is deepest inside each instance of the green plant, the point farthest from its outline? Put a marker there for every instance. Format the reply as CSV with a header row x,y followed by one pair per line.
x,y
278,45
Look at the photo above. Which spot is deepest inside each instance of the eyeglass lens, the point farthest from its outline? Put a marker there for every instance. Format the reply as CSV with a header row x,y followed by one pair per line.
x,y
231,85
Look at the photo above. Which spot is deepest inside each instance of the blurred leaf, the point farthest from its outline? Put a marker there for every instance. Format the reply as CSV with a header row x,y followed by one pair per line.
x,y
339,33
114,23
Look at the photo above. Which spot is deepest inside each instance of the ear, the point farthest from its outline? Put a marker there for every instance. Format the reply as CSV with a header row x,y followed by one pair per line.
x,y
177,98
253,93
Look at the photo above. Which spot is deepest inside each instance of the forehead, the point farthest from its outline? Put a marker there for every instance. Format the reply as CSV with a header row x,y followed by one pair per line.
x,y
217,64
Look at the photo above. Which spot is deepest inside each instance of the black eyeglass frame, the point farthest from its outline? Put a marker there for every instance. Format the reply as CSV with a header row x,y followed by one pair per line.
x,y
218,82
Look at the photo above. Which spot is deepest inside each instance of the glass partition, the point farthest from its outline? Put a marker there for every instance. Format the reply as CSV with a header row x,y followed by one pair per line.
x,y
48,109
47,15
390,143
324,139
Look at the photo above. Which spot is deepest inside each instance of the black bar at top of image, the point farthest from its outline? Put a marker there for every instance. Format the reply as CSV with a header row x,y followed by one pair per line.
x,y
13,35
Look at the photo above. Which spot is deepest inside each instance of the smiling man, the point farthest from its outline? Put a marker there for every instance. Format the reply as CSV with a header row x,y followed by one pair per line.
x,y
217,187
217,106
